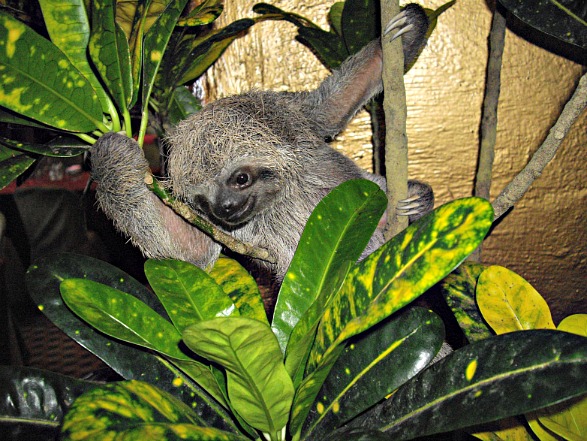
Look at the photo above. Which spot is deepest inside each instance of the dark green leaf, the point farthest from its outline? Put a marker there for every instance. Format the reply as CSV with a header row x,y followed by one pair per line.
x,y
134,410
360,23
372,366
182,104
155,43
502,376
279,14
565,20
240,287
187,292
360,434
39,82
110,52
12,165
328,47
43,280
206,51
458,289
56,148
390,278
259,387
335,17
33,402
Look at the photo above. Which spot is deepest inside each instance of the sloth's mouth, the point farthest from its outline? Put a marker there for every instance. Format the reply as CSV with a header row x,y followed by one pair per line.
x,y
242,215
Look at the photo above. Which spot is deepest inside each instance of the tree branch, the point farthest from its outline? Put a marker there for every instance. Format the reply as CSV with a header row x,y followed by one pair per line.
x,y
520,184
206,227
394,104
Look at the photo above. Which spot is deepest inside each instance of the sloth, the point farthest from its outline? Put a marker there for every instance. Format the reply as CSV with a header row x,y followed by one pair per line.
x,y
254,164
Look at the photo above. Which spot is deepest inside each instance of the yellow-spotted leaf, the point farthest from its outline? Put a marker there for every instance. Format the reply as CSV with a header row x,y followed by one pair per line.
x,y
390,278
568,420
37,80
509,303
110,52
134,410
121,316
69,28
509,429
259,388
187,292
12,165
240,287
204,12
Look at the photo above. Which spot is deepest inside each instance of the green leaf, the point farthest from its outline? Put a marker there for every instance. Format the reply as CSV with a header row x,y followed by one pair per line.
x,y
458,289
569,419
38,81
206,51
110,52
335,17
509,429
204,13
509,303
240,287
259,387
360,24
134,410
372,366
337,232
131,362
279,14
501,376
12,165
328,47
121,316
182,104
565,20
33,402
390,278
155,43
59,147
68,26
187,292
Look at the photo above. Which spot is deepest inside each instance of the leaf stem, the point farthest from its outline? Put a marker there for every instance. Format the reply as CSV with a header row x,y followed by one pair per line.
x,y
87,138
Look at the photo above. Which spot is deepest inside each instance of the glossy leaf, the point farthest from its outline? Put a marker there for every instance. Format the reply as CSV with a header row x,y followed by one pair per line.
x,y
110,52
337,232
509,429
56,148
38,81
335,17
486,381
259,387
121,316
390,278
43,280
240,287
33,402
68,26
187,292
372,366
155,43
565,20
458,289
136,410
568,420
12,165
509,303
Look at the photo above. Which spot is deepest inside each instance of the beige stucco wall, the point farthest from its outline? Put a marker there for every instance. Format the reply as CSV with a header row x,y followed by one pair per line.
x,y
545,237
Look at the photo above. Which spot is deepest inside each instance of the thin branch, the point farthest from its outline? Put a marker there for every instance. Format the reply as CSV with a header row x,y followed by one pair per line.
x,y
394,104
206,227
488,128
520,184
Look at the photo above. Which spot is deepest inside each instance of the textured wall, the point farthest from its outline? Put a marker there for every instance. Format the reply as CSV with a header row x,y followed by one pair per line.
x,y
545,237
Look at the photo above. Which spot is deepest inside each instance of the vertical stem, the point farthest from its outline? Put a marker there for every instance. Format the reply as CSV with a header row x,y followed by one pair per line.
x,y
394,104
488,127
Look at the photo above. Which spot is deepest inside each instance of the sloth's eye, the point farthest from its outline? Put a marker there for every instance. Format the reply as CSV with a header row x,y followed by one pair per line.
x,y
243,179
